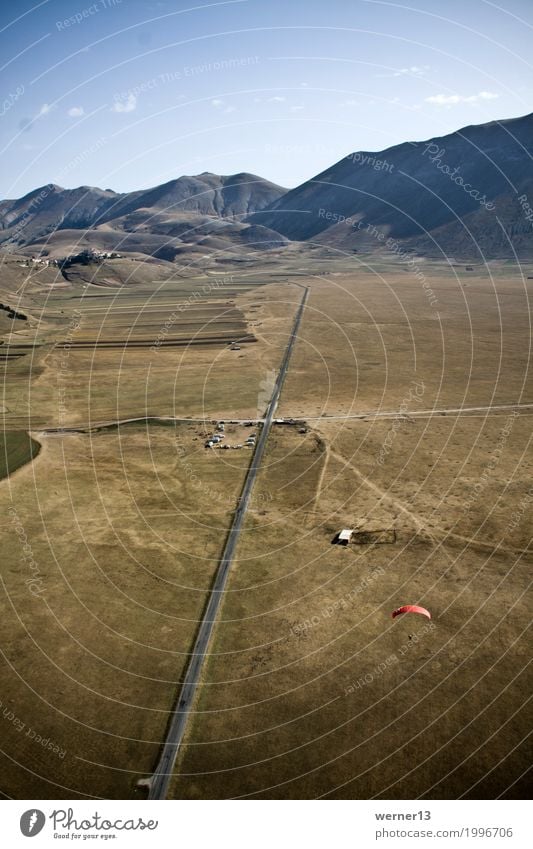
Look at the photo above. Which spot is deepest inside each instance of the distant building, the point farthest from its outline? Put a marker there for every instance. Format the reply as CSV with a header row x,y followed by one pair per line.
x,y
344,537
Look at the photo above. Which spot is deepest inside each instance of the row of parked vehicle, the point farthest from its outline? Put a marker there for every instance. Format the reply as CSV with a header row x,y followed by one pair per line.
x,y
219,435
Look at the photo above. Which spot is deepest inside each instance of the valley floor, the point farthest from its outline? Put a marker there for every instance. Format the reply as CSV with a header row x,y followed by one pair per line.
x,y
412,426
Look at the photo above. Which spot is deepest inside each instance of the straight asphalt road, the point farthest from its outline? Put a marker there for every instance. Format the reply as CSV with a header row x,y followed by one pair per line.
x,y
159,781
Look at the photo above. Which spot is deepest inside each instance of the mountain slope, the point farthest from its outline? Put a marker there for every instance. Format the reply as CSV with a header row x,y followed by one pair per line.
x,y
36,216
418,188
51,208
469,194
206,194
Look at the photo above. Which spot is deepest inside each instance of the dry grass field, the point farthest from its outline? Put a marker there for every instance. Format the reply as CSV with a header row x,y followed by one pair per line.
x,y
110,542
370,332
312,690
146,350
111,537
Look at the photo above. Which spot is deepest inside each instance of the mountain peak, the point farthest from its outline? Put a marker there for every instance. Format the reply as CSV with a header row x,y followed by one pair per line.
x,y
410,190
53,208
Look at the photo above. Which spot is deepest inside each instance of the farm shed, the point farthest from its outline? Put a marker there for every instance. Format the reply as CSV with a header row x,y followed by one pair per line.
x,y
344,537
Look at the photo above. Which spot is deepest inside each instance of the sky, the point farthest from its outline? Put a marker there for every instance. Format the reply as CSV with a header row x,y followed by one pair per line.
x,y
127,94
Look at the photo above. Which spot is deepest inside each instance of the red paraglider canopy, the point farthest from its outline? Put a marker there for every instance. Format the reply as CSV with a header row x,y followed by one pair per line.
x,y
411,608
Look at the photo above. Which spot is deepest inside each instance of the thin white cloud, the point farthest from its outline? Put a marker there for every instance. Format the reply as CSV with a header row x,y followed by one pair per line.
x,y
453,99
218,103
76,111
44,110
276,99
127,105
412,71
349,103
295,108
415,70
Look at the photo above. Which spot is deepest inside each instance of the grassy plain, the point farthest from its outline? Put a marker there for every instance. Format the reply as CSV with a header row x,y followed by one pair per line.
x,y
368,333
311,688
147,350
111,538
110,542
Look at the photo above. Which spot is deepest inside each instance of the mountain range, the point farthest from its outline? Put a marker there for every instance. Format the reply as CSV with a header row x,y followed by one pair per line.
x,y
466,194
456,194
163,221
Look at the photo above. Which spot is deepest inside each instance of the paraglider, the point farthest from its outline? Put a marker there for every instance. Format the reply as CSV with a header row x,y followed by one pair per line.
x,y
411,608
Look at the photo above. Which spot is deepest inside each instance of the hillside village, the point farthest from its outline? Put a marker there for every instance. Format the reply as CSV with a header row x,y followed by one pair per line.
x,y
85,257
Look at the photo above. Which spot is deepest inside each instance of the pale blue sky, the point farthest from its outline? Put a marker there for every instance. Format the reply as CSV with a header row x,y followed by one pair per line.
x,y
129,94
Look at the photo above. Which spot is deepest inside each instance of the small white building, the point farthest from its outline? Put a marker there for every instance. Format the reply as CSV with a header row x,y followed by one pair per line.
x,y
344,537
